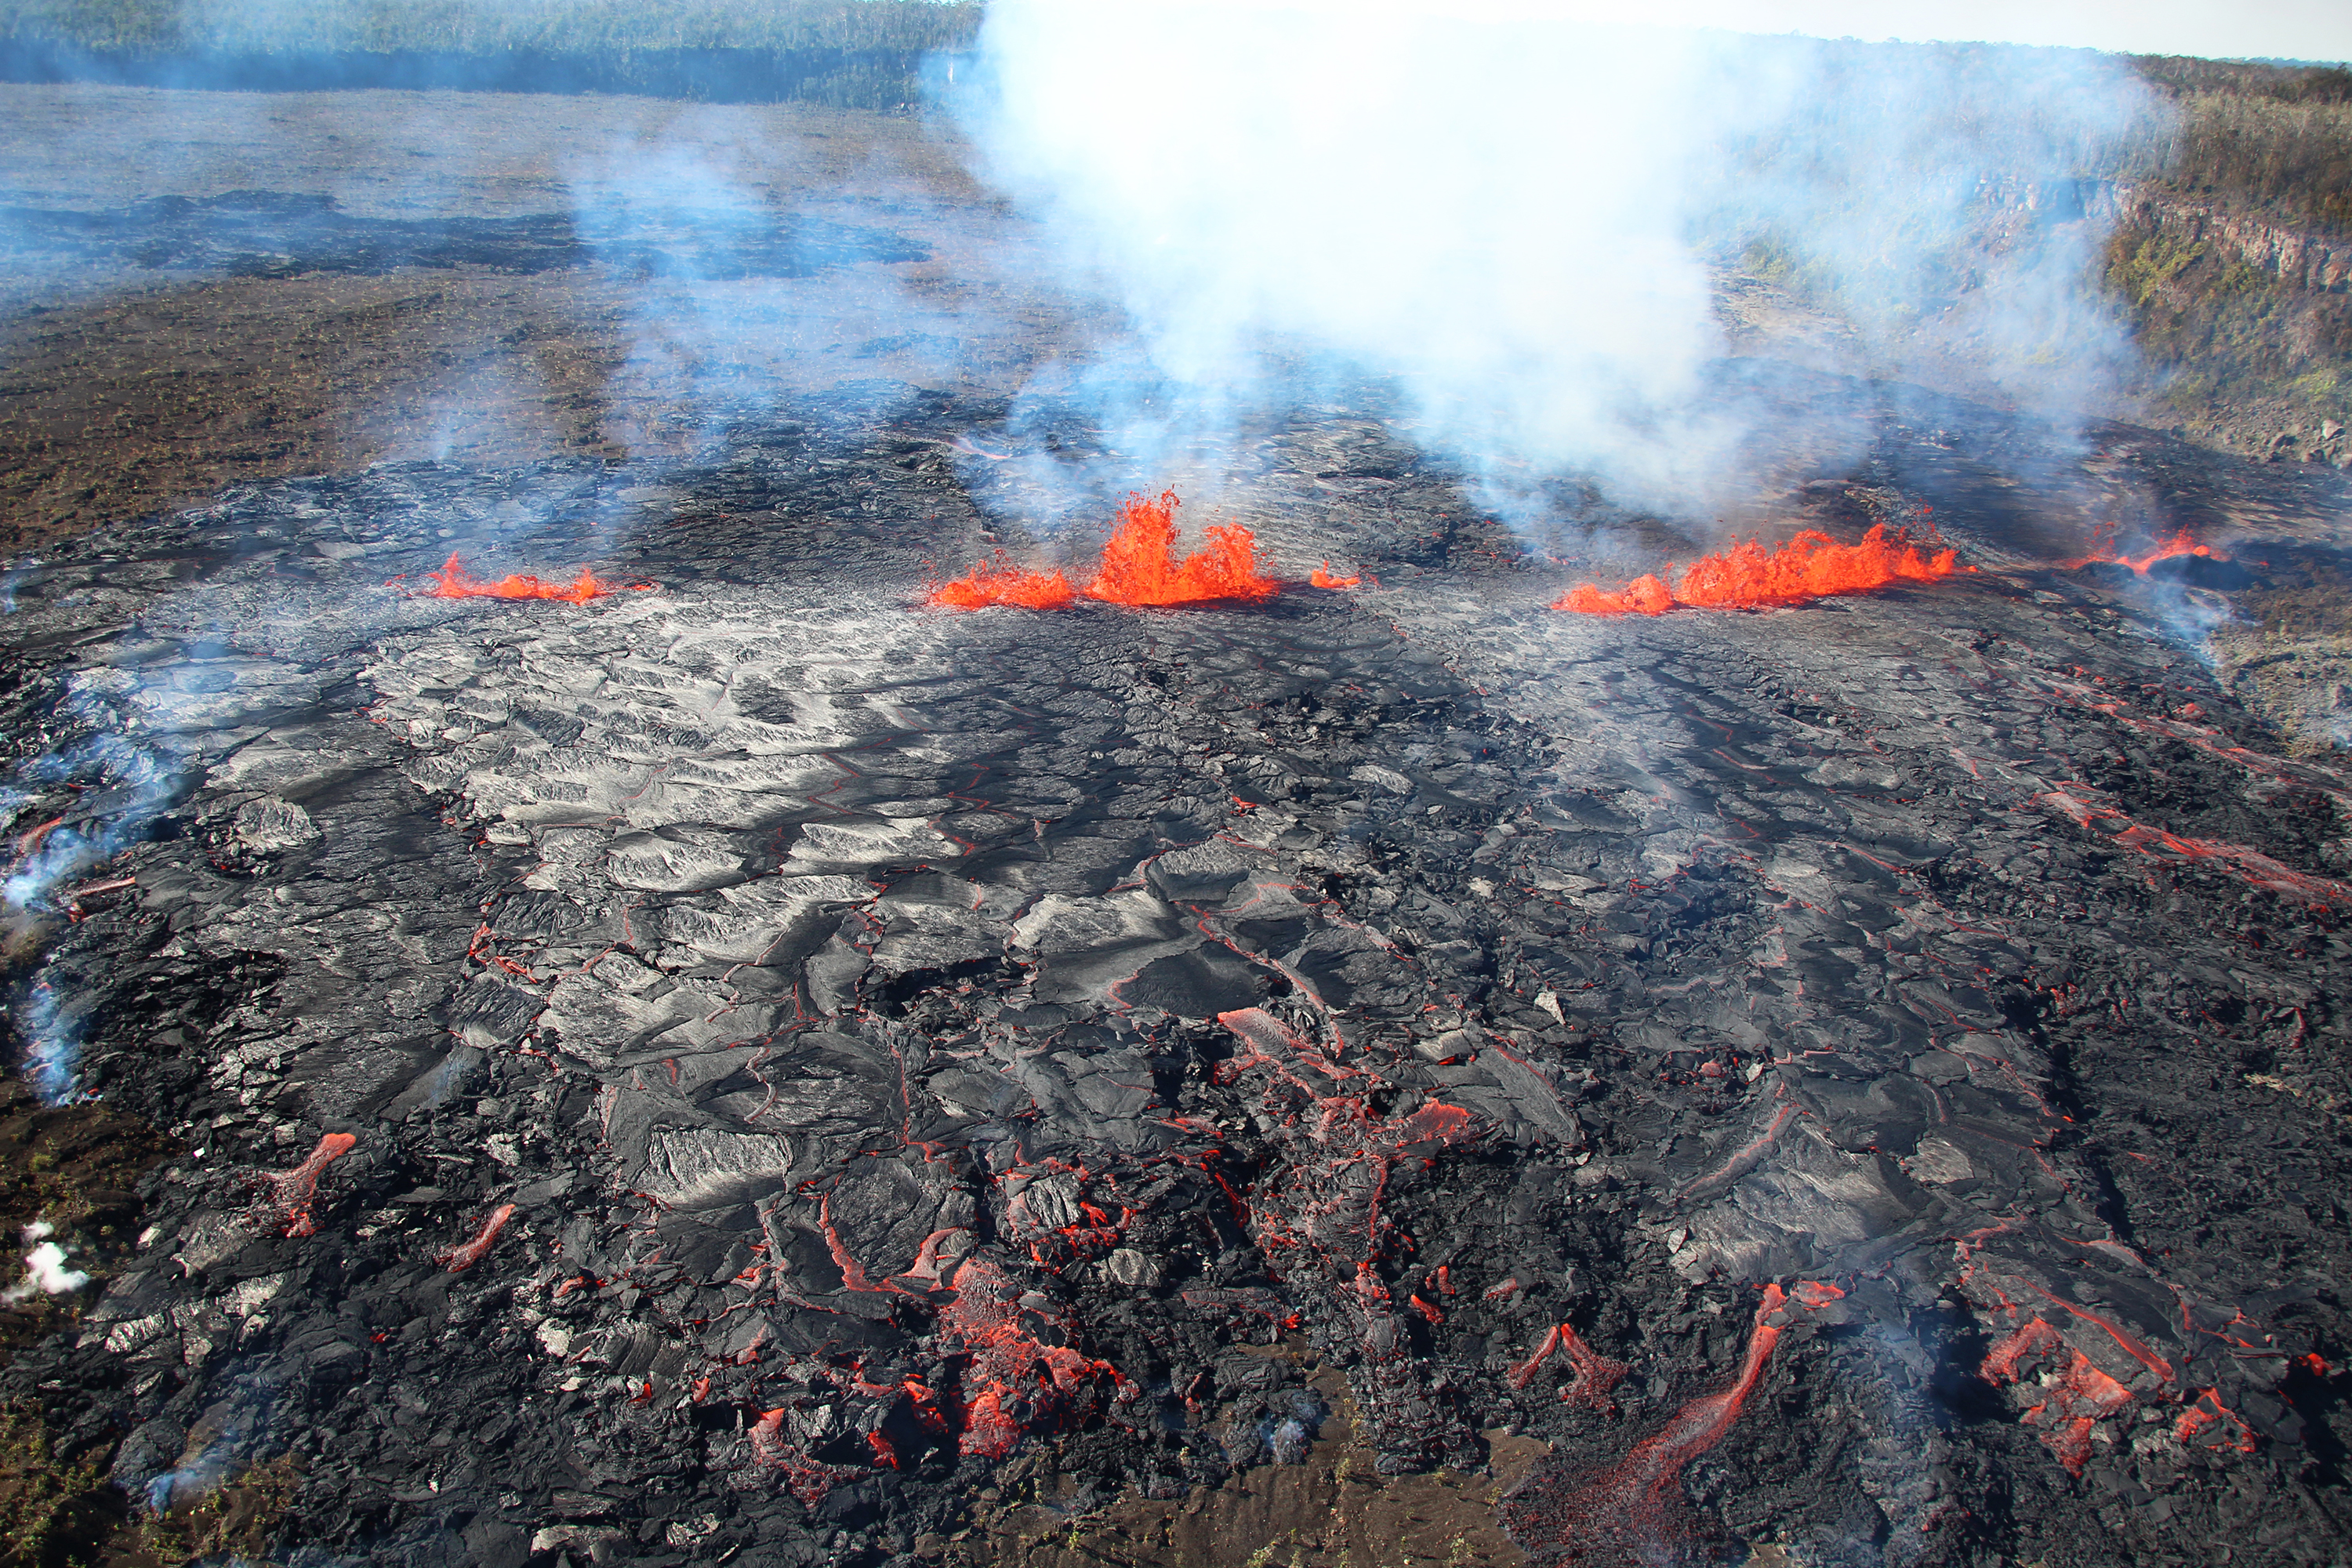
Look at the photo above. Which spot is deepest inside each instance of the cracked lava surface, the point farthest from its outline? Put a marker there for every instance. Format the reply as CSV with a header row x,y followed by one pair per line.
x,y
722,1068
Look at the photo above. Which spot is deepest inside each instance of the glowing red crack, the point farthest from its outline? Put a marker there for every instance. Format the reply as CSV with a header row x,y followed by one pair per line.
x,y
2255,867
2102,549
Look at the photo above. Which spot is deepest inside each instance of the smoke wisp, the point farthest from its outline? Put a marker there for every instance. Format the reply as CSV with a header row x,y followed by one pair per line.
x,y
1517,224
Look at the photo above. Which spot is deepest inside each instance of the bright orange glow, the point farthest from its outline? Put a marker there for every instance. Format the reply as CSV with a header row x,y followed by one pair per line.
x,y
1644,595
2102,547
997,580
1138,567
1812,565
1323,578
454,582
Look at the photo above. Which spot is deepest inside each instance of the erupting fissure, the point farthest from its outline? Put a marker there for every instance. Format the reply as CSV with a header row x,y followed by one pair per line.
x,y
1138,567
1747,576
454,582
2102,550
997,580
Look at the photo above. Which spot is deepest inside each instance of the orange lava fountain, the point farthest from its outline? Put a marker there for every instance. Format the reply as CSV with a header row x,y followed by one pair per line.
x,y
997,580
454,582
1138,567
2102,549
1812,565
1322,578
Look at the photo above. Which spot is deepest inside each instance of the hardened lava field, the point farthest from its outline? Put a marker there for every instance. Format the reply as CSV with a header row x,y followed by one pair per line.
x,y
749,1067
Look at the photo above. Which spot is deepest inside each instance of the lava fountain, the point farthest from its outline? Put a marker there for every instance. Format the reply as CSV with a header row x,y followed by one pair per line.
x,y
454,582
1747,576
1138,567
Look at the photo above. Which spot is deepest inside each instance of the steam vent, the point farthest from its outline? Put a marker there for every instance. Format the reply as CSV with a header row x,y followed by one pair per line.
x,y
706,861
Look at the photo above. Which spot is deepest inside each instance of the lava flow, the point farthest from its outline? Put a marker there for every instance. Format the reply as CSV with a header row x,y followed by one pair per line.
x,y
2103,551
1138,567
454,582
1633,1509
1812,565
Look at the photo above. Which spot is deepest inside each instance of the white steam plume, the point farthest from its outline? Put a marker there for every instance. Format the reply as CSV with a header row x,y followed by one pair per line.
x,y
1514,219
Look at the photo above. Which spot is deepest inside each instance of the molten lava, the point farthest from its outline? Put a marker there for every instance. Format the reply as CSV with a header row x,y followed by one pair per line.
x,y
2102,549
291,1192
1747,576
1633,1509
1322,578
1138,567
1013,1384
997,580
458,1258
2073,1400
454,582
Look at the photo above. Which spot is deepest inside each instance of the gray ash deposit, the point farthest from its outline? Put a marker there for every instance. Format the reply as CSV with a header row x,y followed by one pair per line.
x,y
718,1073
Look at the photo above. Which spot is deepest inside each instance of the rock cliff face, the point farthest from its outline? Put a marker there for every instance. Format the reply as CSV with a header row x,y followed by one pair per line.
x,y
2302,257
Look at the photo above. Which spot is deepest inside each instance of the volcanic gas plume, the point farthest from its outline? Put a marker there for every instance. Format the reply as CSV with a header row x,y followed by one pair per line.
x,y
1812,565
1138,567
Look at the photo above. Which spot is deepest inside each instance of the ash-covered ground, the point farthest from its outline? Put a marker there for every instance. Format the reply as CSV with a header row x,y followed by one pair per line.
x,y
751,1069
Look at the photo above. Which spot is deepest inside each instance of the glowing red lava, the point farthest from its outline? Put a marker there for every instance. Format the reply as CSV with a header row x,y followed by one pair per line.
x,y
458,1258
454,582
1633,1509
1595,1375
2102,549
2072,1402
291,1192
1138,567
2257,869
1812,565
997,580
1322,578
1014,1384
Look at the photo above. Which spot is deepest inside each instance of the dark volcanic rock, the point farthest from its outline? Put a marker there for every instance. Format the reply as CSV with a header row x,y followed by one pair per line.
x,y
743,1065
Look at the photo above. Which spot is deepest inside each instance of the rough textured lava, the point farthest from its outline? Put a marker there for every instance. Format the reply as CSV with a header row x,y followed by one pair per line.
x,y
740,1071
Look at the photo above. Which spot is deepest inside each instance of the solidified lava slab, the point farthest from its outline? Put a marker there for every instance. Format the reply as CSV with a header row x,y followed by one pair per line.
x,y
1861,1079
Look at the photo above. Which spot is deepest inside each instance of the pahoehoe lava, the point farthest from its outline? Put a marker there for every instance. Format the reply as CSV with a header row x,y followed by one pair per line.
x,y
722,1068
